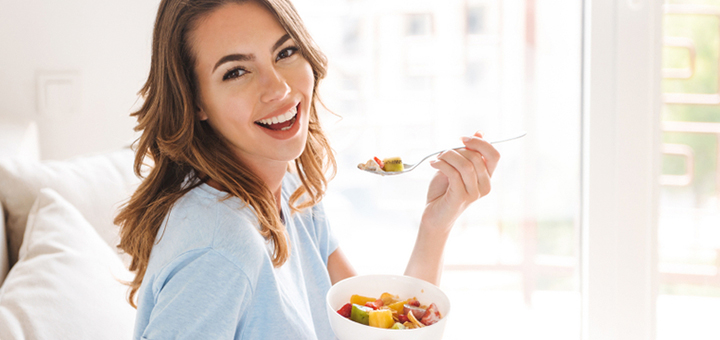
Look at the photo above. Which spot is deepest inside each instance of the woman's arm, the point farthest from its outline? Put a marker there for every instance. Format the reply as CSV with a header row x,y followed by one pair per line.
x,y
463,177
339,267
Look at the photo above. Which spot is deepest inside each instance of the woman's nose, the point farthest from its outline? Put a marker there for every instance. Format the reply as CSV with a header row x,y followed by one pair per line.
x,y
275,87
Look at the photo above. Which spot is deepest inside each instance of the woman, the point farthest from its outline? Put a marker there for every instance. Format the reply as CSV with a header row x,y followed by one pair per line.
x,y
227,239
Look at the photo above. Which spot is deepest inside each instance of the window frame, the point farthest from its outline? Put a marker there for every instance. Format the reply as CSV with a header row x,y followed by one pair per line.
x,y
620,168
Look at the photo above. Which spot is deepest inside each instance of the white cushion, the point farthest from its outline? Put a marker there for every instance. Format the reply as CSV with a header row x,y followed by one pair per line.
x,y
96,185
66,283
4,266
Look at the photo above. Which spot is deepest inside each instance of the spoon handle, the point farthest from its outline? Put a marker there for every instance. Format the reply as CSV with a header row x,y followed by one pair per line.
x,y
462,147
509,139
493,142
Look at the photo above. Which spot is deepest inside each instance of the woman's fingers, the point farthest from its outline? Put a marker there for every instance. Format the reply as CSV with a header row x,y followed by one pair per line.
x,y
482,173
473,165
465,168
487,150
455,179
468,171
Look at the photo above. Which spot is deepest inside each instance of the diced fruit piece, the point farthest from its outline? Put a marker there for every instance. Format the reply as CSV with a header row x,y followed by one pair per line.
x,y
398,306
375,304
398,325
381,318
432,315
379,162
414,320
370,165
388,299
417,311
414,302
345,310
402,318
360,314
393,164
361,300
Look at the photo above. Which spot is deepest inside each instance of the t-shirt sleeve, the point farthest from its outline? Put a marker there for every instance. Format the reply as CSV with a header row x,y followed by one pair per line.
x,y
327,243
201,295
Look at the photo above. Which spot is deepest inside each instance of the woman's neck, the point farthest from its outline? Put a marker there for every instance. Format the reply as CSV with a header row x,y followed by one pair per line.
x,y
271,177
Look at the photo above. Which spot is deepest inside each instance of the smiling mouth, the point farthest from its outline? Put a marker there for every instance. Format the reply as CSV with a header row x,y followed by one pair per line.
x,y
282,122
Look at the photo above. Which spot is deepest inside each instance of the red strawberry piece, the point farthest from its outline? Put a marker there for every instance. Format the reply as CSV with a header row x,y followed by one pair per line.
x,y
345,310
432,315
374,305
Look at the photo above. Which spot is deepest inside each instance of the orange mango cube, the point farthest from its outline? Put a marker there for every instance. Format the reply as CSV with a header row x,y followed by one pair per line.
x,y
361,300
381,318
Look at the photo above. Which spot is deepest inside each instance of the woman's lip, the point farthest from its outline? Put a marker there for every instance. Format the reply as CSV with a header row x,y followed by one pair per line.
x,y
291,132
280,111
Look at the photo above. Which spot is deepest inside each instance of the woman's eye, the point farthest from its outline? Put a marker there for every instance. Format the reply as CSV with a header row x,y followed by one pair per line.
x,y
286,53
234,73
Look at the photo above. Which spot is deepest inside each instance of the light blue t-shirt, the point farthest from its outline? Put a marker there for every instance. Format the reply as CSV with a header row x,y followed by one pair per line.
x,y
211,276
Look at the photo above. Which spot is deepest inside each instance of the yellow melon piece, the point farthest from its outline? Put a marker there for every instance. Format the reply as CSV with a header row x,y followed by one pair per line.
x,y
398,306
388,298
381,318
361,300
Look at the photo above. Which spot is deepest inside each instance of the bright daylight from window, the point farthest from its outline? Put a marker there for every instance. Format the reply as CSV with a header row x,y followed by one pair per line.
x,y
410,77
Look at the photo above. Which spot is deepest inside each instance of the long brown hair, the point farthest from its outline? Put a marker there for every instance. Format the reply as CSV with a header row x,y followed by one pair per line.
x,y
186,152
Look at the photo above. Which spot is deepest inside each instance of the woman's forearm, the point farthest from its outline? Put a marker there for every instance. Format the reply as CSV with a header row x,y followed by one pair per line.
x,y
426,260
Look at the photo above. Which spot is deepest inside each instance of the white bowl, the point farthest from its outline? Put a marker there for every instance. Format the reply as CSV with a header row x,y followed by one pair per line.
x,y
374,285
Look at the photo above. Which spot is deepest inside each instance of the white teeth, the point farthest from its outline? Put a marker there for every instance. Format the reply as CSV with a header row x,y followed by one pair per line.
x,y
281,118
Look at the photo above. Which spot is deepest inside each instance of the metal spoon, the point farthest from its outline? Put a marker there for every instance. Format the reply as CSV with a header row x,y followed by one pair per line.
x,y
410,167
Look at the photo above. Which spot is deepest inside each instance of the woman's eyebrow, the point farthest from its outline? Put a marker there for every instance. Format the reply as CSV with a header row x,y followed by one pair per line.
x,y
248,57
234,57
280,41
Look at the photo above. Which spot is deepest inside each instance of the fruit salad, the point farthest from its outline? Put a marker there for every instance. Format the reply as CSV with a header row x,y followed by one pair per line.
x,y
392,164
389,311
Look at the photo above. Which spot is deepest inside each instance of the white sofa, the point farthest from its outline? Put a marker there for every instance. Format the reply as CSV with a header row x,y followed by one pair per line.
x,y
60,270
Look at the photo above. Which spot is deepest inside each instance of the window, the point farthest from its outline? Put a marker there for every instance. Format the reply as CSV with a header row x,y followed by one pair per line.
x,y
512,257
563,248
689,224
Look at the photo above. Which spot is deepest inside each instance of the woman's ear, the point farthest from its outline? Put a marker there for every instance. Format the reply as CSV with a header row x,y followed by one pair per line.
x,y
201,114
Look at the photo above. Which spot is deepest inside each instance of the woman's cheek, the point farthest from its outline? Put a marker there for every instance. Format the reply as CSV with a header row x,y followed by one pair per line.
x,y
306,79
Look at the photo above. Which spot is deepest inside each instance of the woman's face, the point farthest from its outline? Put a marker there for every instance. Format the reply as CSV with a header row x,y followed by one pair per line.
x,y
255,86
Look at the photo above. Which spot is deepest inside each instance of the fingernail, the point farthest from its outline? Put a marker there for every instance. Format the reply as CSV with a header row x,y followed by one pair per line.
x,y
465,139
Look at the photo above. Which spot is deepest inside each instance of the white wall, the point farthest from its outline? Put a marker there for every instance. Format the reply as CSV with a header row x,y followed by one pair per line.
x,y
105,43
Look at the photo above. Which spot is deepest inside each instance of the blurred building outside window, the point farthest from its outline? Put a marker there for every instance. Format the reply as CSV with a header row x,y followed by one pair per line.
x,y
419,24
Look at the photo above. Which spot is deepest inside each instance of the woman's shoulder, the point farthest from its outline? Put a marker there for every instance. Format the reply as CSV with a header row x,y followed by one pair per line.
x,y
202,210
205,218
205,199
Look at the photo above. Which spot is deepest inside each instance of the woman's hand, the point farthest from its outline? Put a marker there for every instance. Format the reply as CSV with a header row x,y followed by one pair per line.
x,y
463,177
